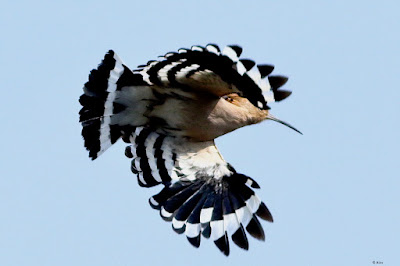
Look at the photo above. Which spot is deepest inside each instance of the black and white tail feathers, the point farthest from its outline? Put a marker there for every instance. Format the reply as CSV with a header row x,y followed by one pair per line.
x,y
202,194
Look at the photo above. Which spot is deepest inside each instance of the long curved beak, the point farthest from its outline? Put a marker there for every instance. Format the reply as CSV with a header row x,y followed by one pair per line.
x,y
271,117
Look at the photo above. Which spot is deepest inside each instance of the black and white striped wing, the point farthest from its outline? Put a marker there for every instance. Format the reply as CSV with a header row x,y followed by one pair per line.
x,y
114,103
217,72
202,194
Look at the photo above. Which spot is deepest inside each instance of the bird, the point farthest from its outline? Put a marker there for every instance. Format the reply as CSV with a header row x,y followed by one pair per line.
x,y
169,112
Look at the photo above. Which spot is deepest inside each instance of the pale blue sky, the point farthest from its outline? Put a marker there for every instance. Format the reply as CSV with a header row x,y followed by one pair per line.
x,y
333,192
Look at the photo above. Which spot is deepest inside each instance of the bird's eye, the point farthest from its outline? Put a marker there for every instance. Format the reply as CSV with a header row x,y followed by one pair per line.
x,y
228,98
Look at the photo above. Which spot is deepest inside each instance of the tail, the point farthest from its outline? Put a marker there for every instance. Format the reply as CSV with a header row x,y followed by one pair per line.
x,y
112,94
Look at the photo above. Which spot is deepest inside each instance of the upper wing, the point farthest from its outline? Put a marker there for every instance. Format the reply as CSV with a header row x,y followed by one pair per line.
x,y
116,99
217,72
202,194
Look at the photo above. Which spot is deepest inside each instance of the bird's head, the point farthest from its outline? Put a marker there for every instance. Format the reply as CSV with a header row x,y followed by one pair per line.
x,y
254,114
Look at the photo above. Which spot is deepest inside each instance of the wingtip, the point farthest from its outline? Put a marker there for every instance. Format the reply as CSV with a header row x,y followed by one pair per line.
x,y
195,241
264,213
223,244
240,239
255,229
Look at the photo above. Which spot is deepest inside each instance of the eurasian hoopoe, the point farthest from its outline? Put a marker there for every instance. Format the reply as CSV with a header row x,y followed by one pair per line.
x,y
170,111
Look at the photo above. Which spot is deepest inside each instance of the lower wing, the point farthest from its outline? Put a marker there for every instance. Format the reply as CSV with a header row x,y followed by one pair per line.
x,y
202,194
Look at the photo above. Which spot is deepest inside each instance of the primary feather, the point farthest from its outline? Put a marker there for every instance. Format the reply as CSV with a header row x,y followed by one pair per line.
x,y
170,111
